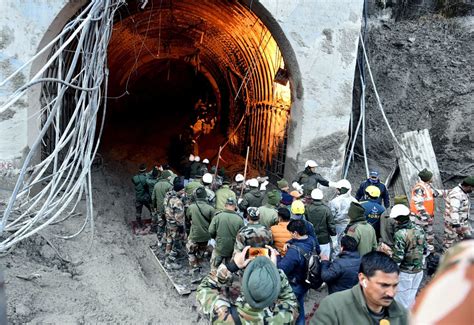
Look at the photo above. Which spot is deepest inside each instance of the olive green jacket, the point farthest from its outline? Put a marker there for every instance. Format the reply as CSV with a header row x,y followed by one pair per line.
x,y
268,215
322,219
349,307
224,228
201,214
222,195
159,193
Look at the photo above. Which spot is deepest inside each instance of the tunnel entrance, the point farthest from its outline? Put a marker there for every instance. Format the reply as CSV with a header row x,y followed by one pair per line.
x,y
175,63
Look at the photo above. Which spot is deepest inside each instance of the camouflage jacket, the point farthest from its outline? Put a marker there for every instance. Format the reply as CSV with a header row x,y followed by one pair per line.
x,y
174,207
410,244
255,235
457,206
218,307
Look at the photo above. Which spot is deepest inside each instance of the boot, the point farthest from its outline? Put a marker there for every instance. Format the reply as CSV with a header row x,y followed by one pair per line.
x,y
196,275
139,222
171,264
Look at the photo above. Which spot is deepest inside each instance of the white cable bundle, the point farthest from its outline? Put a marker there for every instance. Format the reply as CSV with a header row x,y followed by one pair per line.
x,y
68,175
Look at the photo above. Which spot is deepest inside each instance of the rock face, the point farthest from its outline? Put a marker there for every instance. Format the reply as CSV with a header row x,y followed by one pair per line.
x,y
423,73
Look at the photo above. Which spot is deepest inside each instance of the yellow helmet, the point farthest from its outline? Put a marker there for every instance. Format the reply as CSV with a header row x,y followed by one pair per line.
x,y
373,191
297,207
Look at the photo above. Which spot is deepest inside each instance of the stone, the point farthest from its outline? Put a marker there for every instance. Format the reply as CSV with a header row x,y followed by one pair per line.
x,y
47,252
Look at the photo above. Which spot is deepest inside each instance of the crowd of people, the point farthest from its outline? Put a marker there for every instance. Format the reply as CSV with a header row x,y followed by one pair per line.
x,y
257,237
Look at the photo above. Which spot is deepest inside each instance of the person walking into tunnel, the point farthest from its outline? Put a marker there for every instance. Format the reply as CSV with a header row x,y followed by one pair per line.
x,y
224,228
207,183
254,234
422,204
142,196
187,169
238,186
297,213
152,178
339,208
322,219
360,230
252,198
373,180
159,192
268,212
200,213
284,188
456,215
205,166
174,214
373,210
307,180
408,250
280,232
223,194
196,167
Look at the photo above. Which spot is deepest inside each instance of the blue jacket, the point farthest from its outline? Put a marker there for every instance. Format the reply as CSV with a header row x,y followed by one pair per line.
x,y
360,195
342,273
294,263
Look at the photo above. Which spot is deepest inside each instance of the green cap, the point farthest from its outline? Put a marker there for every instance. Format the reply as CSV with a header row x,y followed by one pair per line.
x,y
425,175
401,199
282,184
469,180
273,197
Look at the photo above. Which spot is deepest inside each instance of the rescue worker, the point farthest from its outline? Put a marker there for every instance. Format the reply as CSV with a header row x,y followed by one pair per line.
x,y
307,180
239,186
187,169
373,180
252,198
207,182
408,250
142,196
280,231
286,197
360,230
422,205
193,185
205,166
223,194
223,228
152,178
268,212
373,210
388,227
297,213
196,167
157,198
340,207
322,219
456,215
266,296
253,234
174,214
200,213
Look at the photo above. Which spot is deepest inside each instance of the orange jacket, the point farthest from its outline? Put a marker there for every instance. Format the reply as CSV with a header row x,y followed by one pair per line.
x,y
280,236
422,193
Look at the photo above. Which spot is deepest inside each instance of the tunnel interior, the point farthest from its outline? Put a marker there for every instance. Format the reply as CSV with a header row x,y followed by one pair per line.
x,y
189,76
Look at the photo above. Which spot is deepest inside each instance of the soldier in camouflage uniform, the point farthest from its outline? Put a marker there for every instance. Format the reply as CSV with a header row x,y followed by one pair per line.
x,y
456,215
174,214
266,296
253,234
409,247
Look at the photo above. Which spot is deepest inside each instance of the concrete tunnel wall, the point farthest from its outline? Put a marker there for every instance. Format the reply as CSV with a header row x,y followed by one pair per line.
x,y
317,38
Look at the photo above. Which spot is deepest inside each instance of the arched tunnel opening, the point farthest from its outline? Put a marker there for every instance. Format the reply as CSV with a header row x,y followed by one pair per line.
x,y
190,76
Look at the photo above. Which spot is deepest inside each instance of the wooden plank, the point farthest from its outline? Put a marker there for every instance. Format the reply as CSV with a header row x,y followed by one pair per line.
x,y
180,288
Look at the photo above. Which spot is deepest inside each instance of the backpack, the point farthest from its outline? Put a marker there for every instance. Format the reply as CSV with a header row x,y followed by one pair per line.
x,y
313,268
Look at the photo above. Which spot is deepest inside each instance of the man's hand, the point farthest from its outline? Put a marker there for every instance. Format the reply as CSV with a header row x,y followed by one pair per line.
x,y
240,260
273,254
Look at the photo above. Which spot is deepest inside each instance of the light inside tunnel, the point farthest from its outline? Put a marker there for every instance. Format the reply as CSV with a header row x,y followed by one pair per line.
x,y
167,56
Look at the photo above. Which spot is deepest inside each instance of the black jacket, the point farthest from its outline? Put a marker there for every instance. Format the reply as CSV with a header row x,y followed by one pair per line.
x,y
360,195
342,273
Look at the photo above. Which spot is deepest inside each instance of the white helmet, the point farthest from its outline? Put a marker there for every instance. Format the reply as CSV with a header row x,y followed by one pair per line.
x,y
253,182
317,194
343,183
191,157
310,164
239,178
197,158
205,161
399,210
207,178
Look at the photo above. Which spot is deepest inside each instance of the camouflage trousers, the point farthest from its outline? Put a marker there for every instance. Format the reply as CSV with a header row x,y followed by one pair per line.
x,y
196,251
453,234
173,237
217,260
429,234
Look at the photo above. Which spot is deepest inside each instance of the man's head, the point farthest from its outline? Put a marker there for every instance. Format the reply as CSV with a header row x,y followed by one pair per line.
x,y
467,184
239,178
400,212
374,177
200,193
283,185
378,277
273,197
343,186
297,207
348,244
297,228
311,165
253,183
284,214
317,194
230,204
142,168
166,174
372,191
253,214
425,175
